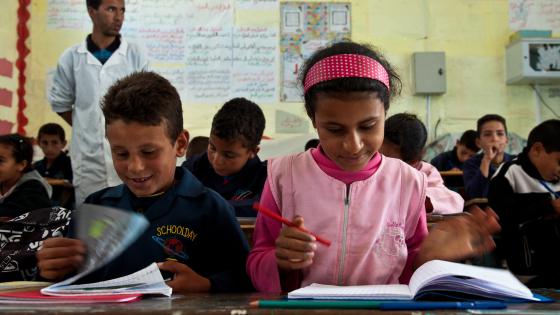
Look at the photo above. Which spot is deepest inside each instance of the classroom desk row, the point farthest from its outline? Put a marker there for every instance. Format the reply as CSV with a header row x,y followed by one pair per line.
x,y
238,304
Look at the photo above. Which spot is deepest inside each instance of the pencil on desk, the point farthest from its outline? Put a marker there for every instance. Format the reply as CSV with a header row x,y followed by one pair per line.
x,y
315,304
279,218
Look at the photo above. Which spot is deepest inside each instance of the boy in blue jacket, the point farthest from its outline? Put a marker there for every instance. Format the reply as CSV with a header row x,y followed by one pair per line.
x,y
231,165
193,232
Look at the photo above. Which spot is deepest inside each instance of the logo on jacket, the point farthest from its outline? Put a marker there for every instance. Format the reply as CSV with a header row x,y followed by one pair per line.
x,y
172,246
391,240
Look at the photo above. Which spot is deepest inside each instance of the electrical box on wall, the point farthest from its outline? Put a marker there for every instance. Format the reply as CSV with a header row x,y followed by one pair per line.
x,y
429,73
533,61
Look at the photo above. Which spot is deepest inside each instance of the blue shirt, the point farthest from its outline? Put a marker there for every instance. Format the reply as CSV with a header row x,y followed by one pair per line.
x,y
188,223
476,185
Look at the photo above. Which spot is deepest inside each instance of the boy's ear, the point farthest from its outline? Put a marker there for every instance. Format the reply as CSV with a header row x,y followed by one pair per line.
x,y
64,143
255,151
182,142
477,141
536,149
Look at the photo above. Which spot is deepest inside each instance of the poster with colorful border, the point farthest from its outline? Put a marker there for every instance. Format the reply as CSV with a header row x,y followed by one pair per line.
x,y
304,28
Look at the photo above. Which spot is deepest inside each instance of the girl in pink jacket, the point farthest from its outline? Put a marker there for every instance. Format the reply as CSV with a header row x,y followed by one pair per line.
x,y
369,206
405,137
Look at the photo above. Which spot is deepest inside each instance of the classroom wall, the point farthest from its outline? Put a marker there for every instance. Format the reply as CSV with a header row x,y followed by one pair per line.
x,y
8,56
472,33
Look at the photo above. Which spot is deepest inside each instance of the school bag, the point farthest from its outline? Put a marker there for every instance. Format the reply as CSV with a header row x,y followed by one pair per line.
x,y
21,237
538,252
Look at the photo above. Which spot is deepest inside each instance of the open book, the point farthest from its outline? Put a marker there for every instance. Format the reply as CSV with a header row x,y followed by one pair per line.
x,y
436,276
107,232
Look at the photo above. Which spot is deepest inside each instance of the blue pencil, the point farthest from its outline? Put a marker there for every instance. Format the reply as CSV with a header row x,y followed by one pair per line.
x,y
414,305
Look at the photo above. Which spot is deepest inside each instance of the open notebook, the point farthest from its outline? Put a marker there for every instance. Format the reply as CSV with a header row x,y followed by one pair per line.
x,y
436,276
107,232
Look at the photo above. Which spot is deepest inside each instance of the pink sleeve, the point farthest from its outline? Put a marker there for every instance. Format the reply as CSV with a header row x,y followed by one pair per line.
x,y
261,263
413,245
444,200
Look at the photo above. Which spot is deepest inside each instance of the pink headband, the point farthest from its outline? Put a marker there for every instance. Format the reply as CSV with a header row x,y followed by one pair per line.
x,y
345,66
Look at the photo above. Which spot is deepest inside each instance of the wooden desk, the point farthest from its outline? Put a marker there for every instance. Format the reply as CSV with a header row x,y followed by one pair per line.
x,y
232,304
247,225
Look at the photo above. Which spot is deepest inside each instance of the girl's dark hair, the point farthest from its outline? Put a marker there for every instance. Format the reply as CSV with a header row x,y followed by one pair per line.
x,y
22,148
409,133
345,85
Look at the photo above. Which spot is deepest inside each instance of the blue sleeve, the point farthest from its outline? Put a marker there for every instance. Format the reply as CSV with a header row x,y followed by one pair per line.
x,y
229,250
439,162
476,185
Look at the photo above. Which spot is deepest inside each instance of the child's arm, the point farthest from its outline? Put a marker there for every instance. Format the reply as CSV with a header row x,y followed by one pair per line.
x,y
295,249
185,279
476,185
460,237
262,265
59,257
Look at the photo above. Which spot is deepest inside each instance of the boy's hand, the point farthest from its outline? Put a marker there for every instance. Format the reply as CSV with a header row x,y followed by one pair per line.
x,y
59,257
460,237
490,151
185,279
295,249
556,205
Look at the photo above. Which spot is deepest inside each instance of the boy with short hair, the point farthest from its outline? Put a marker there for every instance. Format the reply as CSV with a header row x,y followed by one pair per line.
x,y
464,149
144,126
56,163
525,192
231,165
491,132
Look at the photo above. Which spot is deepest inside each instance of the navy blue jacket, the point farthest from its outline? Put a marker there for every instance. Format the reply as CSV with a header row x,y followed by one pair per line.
x,y
188,223
476,185
241,189
446,161
60,169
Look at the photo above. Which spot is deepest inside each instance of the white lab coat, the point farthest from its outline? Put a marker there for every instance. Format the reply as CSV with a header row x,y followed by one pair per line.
x,y
79,84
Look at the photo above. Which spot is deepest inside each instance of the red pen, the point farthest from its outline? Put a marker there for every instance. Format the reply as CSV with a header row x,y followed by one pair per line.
x,y
279,218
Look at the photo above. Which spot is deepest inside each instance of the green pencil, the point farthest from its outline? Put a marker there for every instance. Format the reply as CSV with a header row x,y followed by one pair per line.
x,y
314,304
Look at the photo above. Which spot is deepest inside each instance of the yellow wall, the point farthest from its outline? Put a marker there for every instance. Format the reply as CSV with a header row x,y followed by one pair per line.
x,y
472,33
8,38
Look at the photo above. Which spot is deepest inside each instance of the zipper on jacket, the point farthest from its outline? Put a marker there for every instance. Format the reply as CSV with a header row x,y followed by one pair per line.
x,y
344,229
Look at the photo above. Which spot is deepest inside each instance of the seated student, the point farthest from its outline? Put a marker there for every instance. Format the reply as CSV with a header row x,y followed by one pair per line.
x,y
313,143
231,166
22,188
525,192
197,145
491,137
405,137
453,160
56,163
369,206
144,123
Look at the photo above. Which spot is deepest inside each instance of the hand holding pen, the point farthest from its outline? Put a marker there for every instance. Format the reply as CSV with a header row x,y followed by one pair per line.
x,y
295,246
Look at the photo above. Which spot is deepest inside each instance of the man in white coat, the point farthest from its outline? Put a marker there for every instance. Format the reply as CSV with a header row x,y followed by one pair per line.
x,y
83,75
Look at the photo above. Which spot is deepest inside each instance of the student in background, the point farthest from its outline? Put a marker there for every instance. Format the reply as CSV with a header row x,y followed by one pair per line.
x,y
84,73
144,123
526,195
370,207
197,145
231,166
491,131
313,143
22,188
56,164
453,160
405,137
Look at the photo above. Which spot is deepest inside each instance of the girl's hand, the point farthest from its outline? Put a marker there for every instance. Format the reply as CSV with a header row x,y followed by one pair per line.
x,y
295,249
460,237
185,279
59,257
